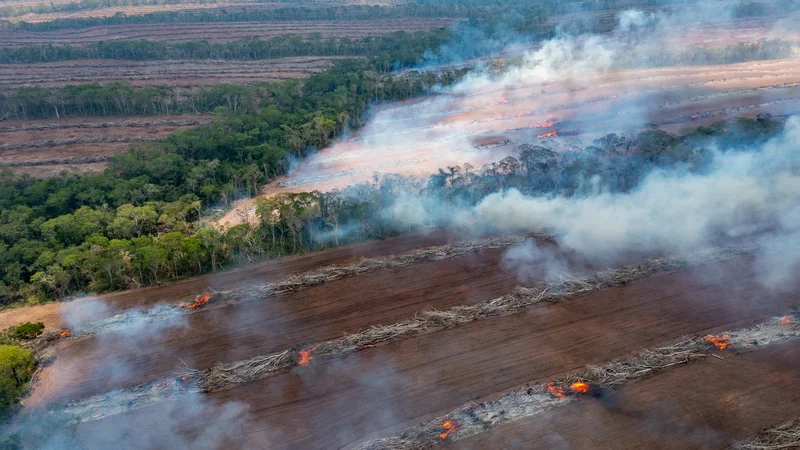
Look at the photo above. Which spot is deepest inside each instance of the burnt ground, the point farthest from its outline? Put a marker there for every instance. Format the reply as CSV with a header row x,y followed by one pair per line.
x,y
704,405
378,392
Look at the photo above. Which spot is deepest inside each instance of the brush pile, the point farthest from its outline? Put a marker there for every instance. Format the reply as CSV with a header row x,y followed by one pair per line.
x,y
784,436
332,273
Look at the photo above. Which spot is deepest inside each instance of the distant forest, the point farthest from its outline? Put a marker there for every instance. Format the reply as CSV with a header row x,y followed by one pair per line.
x,y
527,16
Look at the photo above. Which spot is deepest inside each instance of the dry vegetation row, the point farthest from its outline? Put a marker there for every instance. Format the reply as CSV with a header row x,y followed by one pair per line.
x,y
32,125
174,73
784,436
221,32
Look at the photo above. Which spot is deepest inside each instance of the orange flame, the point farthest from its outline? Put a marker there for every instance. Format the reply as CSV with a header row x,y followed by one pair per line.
x,y
547,124
66,333
721,342
694,116
555,390
449,427
786,321
579,387
305,357
550,134
199,302
503,99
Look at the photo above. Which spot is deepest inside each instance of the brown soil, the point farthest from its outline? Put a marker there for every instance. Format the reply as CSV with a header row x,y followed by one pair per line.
x,y
90,366
379,391
221,31
705,405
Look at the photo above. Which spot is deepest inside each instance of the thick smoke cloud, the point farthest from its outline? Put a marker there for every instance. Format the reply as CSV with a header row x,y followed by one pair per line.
x,y
743,193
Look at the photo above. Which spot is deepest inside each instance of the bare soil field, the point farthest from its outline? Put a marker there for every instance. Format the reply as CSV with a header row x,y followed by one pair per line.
x,y
708,404
418,137
88,366
138,10
173,73
46,147
402,383
221,31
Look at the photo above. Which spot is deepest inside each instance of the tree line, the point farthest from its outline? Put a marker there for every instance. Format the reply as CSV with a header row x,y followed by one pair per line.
x,y
398,48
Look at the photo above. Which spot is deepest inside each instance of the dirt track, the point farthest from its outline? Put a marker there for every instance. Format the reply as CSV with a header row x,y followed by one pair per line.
x,y
707,404
400,384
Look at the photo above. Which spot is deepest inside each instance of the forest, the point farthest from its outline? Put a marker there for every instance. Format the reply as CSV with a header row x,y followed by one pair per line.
x,y
59,235
399,49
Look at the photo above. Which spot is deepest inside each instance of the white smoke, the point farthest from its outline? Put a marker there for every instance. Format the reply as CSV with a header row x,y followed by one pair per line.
x,y
744,193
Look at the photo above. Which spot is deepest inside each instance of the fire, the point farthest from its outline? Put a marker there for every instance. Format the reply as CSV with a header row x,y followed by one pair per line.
x,y
305,357
449,427
555,390
66,333
694,117
721,342
547,124
786,321
579,387
199,302
503,99
550,134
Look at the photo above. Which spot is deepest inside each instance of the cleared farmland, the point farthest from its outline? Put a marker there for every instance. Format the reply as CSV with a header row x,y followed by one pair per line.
x,y
172,73
222,32
478,359
46,147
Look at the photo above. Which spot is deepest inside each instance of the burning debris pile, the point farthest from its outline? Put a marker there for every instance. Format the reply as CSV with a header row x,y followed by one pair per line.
x,y
784,436
538,397
227,375
720,342
199,302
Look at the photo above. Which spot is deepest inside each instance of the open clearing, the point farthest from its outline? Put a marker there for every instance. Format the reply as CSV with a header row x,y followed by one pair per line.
x,y
222,31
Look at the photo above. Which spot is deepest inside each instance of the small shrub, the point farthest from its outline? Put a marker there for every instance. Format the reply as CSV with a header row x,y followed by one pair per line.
x,y
25,331
16,368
